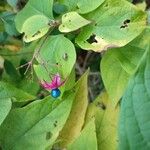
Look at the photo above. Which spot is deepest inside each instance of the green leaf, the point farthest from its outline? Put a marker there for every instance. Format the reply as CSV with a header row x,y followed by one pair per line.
x,y
82,6
11,70
35,126
57,55
76,118
148,18
115,23
115,83
38,27
72,21
1,25
134,130
12,3
87,138
70,82
124,62
1,65
17,95
3,36
59,8
14,55
5,106
31,87
9,24
142,5
33,19
86,6
106,120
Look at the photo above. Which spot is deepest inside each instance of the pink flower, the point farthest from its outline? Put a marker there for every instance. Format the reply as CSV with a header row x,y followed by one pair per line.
x,y
54,84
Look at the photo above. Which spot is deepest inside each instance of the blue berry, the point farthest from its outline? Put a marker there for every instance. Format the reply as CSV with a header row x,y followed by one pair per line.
x,y
55,93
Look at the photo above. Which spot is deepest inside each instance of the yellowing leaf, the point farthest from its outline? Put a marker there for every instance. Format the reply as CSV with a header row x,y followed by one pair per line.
x,y
72,21
1,62
97,45
87,138
115,78
106,120
124,62
76,118
117,22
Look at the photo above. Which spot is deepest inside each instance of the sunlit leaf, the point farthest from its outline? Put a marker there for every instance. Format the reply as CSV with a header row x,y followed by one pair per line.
x,y
142,5
33,19
87,139
1,65
82,6
35,27
72,21
148,19
57,55
106,120
124,62
116,22
76,118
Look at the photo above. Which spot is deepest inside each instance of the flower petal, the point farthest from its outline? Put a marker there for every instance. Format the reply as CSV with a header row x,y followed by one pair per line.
x,y
48,86
57,77
55,83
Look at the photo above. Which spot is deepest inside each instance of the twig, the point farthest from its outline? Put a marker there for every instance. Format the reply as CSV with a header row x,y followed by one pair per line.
x,y
79,69
90,93
94,73
22,65
37,51
86,59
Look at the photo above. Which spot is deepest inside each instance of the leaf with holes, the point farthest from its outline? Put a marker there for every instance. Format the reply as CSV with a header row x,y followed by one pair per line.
x,y
72,21
57,55
134,130
34,29
124,22
33,19
37,131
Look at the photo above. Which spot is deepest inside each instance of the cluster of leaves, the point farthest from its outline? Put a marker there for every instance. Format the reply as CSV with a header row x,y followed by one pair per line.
x,y
40,38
